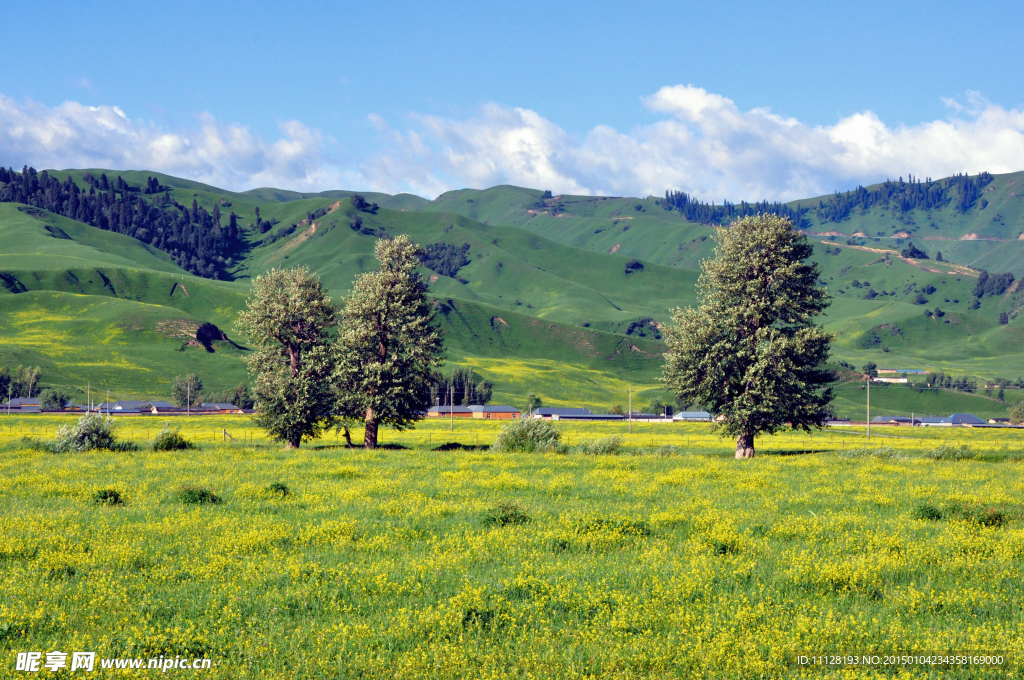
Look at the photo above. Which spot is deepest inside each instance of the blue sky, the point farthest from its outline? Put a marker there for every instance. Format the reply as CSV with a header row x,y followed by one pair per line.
x,y
430,96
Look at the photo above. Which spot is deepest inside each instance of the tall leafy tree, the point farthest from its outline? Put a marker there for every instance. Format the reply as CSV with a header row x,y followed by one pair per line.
x,y
463,387
186,390
751,351
388,347
290,320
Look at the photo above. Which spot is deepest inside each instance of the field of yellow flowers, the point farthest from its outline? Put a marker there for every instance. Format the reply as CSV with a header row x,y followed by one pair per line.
x,y
669,560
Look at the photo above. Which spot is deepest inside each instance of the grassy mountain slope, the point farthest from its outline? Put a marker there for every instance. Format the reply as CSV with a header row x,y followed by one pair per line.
x,y
564,364
894,328
32,239
900,400
999,214
543,303
633,227
506,265
962,340
131,348
124,322
393,202
989,235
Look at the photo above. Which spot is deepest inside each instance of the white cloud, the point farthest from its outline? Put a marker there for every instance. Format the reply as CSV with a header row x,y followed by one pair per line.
x,y
230,156
704,144
700,142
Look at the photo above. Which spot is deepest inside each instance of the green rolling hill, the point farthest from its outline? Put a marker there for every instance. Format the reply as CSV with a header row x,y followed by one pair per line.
x,y
560,295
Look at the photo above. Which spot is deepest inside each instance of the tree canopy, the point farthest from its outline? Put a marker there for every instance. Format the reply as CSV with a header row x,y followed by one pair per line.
x,y
290,321
388,348
751,352
193,237
186,390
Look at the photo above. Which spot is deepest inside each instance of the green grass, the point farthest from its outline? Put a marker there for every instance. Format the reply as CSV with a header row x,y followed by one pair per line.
x,y
32,239
1002,217
903,400
388,564
128,347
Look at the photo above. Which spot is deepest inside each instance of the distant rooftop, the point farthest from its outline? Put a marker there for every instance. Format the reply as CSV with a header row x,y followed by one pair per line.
x,y
562,412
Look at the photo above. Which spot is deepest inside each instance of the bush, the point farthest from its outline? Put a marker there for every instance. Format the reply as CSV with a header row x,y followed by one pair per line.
x,y
92,431
928,511
278,488
605,446
198,495
53,399
992,518
626,527
107,497
949,452
169,439
505,514
529,435
880,452
986,516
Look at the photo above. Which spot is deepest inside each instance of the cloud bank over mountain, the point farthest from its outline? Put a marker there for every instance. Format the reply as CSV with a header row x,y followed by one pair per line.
x,y
699,142
75,136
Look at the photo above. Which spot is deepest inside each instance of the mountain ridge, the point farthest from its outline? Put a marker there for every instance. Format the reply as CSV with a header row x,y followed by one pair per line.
x,y
599,272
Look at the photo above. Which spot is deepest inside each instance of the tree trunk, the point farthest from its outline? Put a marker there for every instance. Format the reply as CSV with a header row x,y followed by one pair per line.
x,y
370,434
745,445
293,444
348,436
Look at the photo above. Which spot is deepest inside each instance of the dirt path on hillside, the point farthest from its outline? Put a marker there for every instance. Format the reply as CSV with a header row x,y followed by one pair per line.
x,y
954,269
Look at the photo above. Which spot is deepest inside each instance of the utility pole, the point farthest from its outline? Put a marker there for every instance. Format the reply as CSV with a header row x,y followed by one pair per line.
x,y
188,396
451,407
88,397
869,408
631,409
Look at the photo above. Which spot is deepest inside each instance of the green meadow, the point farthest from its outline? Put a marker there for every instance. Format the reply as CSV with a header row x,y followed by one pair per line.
x,y
667,560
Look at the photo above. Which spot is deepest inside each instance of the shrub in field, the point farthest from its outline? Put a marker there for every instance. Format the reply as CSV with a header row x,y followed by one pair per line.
x,y
477,617
627,527
92,431
986,516
991,517
198,495
61,571
605,446
950,452
881,452
559,545
928,511
169,439
505,514
107,497
279,489
529,435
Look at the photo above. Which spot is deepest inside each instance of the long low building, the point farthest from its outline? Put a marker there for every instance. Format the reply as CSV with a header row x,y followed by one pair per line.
x,y
449,412
697,416
486,412
495,412
955,420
